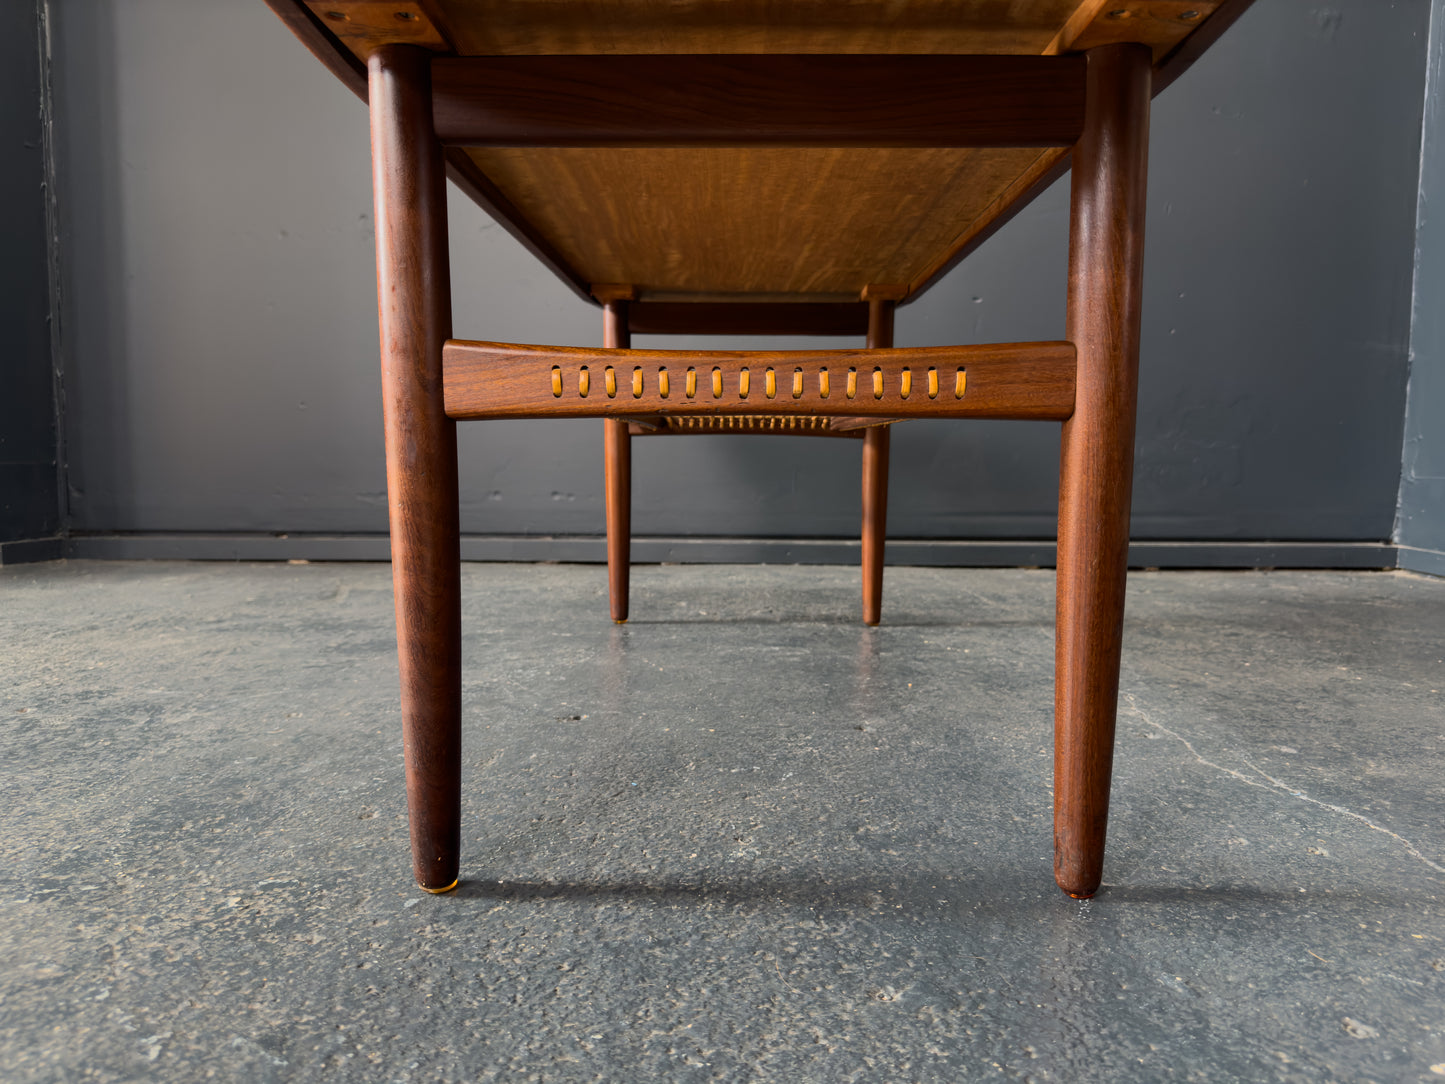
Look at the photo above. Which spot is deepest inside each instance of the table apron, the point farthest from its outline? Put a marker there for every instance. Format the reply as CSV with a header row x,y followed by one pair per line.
x,y
758,100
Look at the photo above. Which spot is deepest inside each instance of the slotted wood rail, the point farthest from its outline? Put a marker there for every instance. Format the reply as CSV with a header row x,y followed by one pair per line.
x,y
753,167
1014,380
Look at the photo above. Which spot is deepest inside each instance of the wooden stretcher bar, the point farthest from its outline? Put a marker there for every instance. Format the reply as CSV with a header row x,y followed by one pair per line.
x,y
747,317
1009,380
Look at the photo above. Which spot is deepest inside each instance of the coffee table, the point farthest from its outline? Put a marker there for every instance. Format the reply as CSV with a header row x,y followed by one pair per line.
x,y
745,167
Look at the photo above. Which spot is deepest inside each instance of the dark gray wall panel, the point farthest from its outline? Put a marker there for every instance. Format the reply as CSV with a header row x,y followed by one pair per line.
x,y
29,505
224,347
1421,528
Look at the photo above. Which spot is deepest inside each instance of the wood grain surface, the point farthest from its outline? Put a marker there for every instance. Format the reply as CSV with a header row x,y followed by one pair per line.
x,y
519,27
1106,259
796,100
743,318
414,304
808,220
365,25
760,223
617,474
1009,380
876,441
1159,24
810,224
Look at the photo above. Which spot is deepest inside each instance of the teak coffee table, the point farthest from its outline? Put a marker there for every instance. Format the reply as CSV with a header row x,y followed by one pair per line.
x,y
758,166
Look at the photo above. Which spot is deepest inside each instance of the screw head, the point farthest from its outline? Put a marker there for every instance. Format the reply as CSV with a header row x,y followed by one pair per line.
x,y
1119,13
1188,16
406,16
339,16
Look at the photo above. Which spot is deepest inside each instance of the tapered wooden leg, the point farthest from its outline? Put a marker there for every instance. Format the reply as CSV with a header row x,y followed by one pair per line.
x,y
875,479
421,450
617,482
875,519
1106,253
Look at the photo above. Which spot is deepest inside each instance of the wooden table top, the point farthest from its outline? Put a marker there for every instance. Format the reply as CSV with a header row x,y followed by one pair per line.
x,y
754,223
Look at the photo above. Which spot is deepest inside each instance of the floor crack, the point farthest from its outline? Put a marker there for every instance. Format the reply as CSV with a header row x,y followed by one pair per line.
x,y
1271,783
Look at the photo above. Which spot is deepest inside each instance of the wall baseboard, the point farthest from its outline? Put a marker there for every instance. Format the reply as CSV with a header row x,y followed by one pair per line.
x,y
1415,559
591,549
27,551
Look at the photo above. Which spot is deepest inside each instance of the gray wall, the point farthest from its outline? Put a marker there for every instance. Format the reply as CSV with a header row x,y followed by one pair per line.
x,y
221,337
29,500
1421,528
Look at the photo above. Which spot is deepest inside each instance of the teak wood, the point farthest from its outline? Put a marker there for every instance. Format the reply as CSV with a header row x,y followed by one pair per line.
x,y
853,215
1008,380
1106,261
784,425
528,28
875,473
617,475
617,453
749,101
421,452
799,180
747,318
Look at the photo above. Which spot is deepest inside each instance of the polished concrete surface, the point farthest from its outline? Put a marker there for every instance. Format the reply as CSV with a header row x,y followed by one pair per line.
x,y
740,838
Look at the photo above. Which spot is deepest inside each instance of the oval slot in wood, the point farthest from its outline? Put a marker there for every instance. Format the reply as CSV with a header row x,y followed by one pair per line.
x,y
637,382
905,384
690,388
662,387
933,383
744,383
556,382
851,391
716,383
797,383
823,388
770,383
584,382
609,381
960,382
877,383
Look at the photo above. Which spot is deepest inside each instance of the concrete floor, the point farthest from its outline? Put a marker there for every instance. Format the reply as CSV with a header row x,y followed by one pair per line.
x,y
740,838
